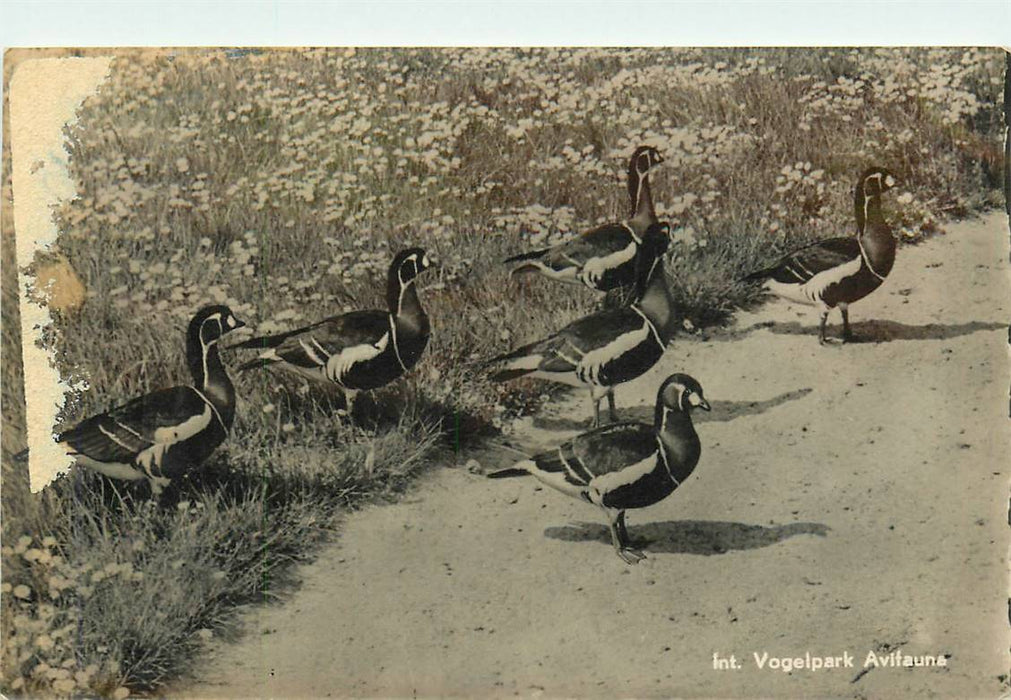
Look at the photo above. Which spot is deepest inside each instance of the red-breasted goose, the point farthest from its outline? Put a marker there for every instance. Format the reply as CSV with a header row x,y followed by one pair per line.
x,y
626,465
360,350
604,257
163,434
839,271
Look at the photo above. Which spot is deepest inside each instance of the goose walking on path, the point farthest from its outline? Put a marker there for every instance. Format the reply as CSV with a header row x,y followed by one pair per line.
x,y
626,465
837,272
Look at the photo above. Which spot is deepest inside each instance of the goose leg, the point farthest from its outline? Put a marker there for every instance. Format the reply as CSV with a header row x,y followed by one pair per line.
x,y
821,327
158,484
597,394
148,467
622,530
847,334
596,410
619,538
611,407
349,402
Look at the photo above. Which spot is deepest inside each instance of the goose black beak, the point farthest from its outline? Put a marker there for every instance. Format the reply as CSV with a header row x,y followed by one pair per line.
x,y
704,405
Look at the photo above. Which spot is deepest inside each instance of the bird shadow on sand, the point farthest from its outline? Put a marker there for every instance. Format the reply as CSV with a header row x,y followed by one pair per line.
x,y
873,331
722,411
706,537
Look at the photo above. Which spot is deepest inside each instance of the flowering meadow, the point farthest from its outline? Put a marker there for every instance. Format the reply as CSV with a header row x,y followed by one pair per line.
x,y
282,182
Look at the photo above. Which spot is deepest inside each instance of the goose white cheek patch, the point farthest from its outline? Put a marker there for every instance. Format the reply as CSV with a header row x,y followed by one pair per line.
x,y
45,94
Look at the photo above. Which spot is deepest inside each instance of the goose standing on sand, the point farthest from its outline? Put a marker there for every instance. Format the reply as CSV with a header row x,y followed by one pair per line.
x,y
839,271
604,257
360,350
626,465
163,434
611,346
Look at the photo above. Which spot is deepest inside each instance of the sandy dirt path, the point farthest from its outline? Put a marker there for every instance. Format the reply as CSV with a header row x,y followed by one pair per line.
x,y
849,499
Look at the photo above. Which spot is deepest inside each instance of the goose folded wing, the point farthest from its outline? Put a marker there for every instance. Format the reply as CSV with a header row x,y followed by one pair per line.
x,y
563,351
600,329
803,264
314,345
599,243
614,447
601,451
162,418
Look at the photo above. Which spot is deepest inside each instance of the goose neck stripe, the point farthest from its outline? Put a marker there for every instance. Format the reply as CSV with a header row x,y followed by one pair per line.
x,y
649,324
403,290
396,343
204,352
631,231
867,260
214,409
662,451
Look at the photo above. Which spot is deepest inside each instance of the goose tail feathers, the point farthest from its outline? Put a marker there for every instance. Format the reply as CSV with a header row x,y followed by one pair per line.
x,y
532,255
508,473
